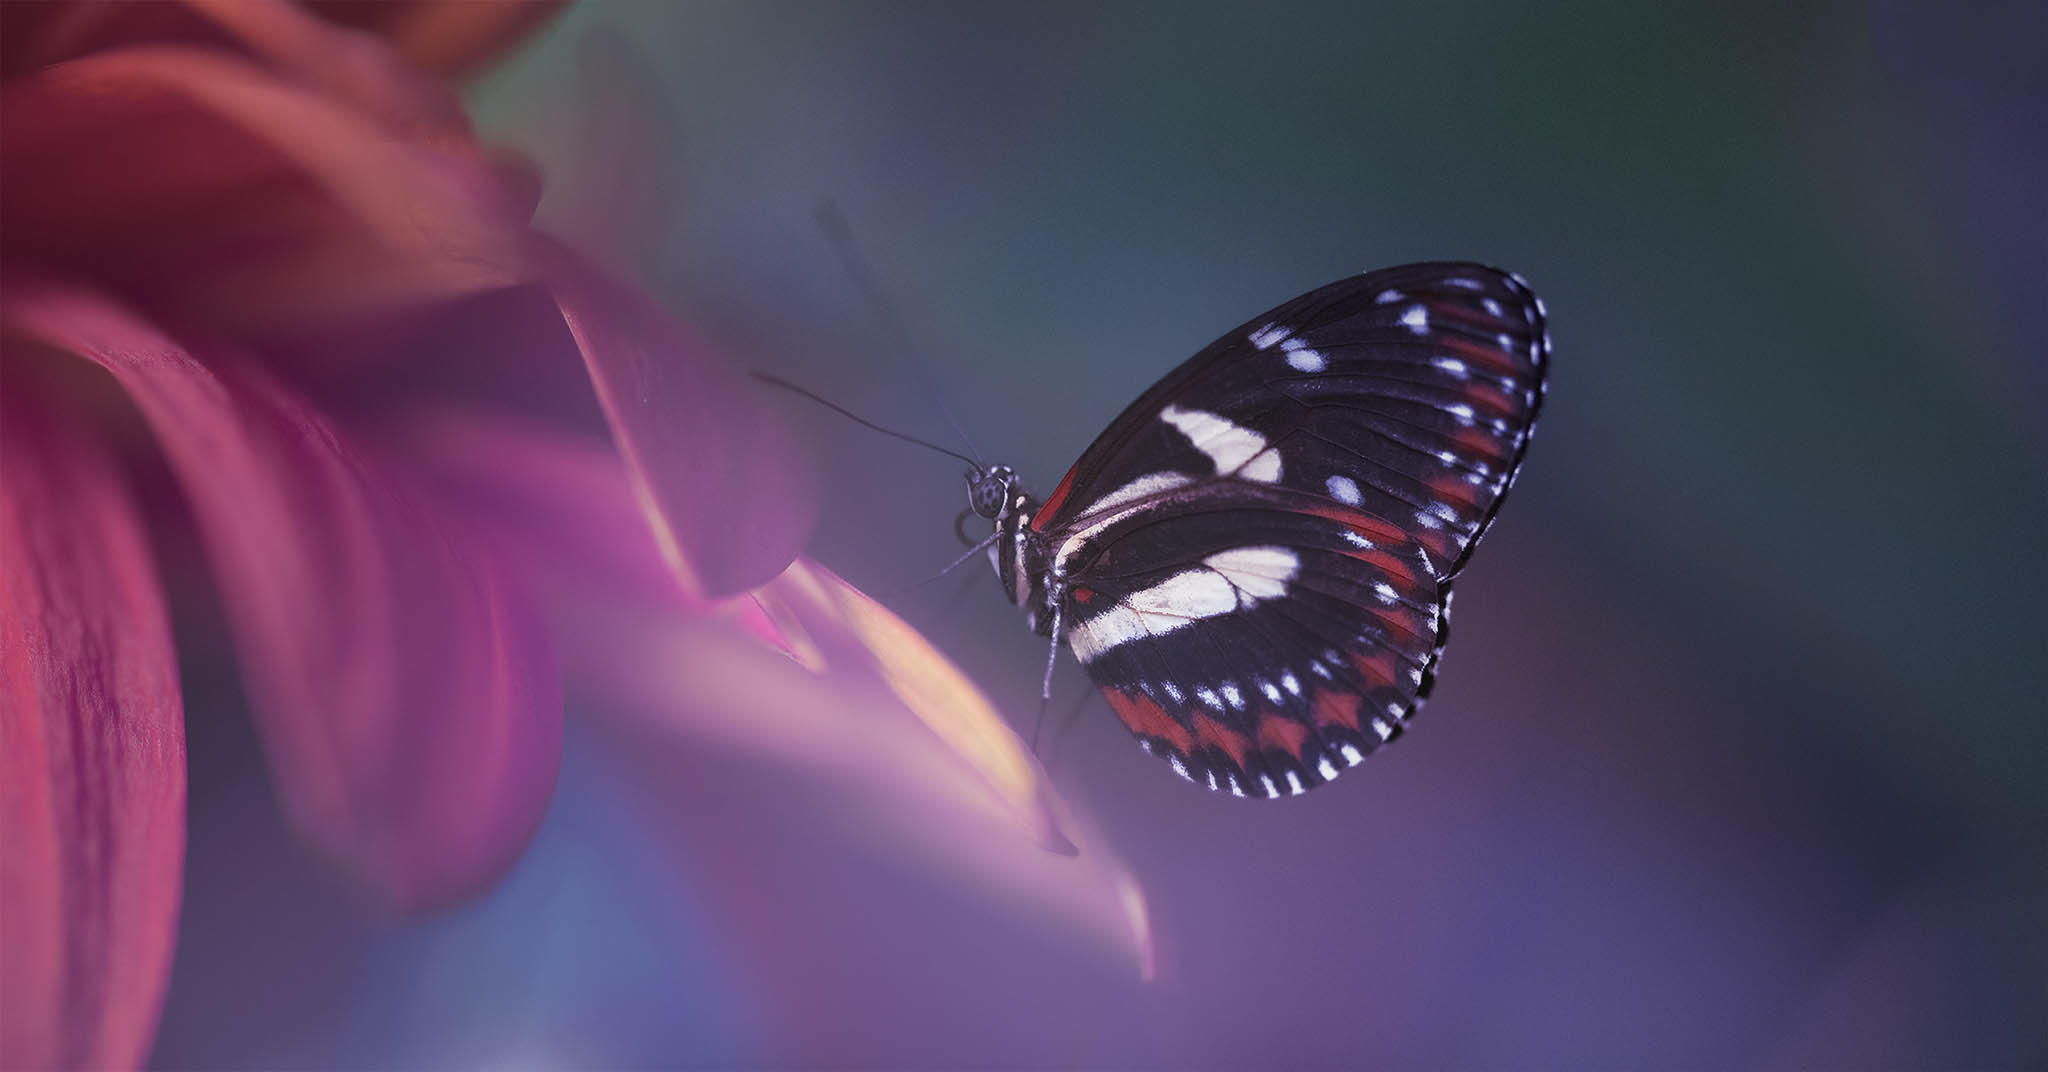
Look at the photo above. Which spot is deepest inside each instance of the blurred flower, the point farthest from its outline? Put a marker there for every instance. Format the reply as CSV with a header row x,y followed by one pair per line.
x,y
283,258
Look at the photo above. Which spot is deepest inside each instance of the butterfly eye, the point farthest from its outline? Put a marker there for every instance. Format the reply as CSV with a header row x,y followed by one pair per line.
x,y
989,493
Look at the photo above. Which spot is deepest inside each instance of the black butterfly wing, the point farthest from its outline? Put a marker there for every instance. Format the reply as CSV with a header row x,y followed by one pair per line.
x,y
1257,553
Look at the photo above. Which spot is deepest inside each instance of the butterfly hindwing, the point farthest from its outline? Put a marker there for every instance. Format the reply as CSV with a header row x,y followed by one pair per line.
x,y
1257,554
1260,640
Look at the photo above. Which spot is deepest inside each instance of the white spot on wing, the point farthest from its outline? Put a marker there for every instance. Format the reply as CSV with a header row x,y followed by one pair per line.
x,y
1264,466
1266,336
1289,682
1267,781
1228,445
1172,690
1343,489
1209,698
1453,366
1226,582
1417,319
1352,756
1143,487
1231,696
1385,731
1271,690
1388,297
1256,572
1325,768
1294,783
1386,592
1352,537
1304,359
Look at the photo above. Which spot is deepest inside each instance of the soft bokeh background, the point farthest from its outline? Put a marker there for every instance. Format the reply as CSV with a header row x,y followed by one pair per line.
x,y
1737,759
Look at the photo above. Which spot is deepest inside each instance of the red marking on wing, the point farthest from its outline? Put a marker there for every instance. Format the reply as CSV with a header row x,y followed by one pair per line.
x,y
1364,524
1148,719
1454,489
1480,442
1083,595
1053,502
1395,569
1221,737
1491,398
1335,707
1280,732
1463,314
1494,356
1377,667
1404,622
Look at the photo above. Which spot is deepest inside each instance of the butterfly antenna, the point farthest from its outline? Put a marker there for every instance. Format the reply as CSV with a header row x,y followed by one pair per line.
x,y
769,377
839,236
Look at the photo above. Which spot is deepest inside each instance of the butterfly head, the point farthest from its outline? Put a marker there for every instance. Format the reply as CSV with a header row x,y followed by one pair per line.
x,y
992,491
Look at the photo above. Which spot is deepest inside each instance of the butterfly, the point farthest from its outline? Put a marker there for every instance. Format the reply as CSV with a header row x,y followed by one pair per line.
x,y
1254,561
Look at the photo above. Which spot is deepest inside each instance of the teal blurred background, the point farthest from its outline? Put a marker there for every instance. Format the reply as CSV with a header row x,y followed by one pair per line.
x,y
1737,758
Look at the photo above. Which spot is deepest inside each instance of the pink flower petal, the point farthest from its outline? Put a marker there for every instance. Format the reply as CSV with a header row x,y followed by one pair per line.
x,y
722,482
92,758
204,187
879,727
449,37
408,704
348,66
37,34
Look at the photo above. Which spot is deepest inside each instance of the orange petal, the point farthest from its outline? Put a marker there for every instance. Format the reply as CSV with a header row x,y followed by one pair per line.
x,y
854,627
92,758
408,703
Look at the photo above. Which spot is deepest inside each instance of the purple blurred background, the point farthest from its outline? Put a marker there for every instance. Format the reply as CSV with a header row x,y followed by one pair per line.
x,y
1736,759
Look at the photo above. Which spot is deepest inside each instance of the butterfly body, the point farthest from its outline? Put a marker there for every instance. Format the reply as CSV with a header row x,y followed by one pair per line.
x,y
1254,561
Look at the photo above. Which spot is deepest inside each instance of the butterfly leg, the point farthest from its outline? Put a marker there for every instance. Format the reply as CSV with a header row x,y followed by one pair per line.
x,y
1052,658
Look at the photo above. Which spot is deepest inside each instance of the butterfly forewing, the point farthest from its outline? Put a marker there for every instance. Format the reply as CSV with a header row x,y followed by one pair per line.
x,y
1257,554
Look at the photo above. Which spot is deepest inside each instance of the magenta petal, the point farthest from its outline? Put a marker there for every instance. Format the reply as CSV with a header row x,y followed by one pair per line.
x,y
409,705
92,759
717,472
808,692
347,65
210,187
